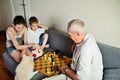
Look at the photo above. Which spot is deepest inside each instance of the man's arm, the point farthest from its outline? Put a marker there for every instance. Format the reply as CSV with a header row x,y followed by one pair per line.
x,y
69,72
83,67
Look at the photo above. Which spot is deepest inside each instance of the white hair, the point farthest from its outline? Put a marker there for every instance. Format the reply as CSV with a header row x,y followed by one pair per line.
x,y
76,27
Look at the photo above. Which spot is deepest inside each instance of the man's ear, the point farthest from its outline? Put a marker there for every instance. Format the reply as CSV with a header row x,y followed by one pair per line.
x,y
78,33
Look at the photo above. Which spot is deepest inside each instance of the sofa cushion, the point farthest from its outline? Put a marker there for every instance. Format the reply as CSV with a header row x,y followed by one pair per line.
x,y
111,74
111,56
59,41
10,63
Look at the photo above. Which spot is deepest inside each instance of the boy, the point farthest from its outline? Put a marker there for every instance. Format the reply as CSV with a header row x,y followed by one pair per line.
x,y
37,35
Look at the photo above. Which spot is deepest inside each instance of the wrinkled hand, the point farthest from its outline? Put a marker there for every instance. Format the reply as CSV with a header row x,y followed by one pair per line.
x,y
63,68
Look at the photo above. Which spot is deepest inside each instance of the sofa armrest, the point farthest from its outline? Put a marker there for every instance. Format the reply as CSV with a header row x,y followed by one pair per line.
x,y
9,63
110,55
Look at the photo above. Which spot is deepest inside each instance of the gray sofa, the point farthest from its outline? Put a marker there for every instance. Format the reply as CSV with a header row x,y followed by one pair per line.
x,y
60,42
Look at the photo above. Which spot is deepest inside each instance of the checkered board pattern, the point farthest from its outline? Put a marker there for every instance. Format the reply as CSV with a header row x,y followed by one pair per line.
x,y
50,63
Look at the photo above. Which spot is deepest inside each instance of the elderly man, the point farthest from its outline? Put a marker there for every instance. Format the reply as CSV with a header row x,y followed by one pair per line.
x,y
87,59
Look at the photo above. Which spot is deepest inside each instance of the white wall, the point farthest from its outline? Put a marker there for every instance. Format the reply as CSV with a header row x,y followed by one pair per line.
x,y
5,17
102,17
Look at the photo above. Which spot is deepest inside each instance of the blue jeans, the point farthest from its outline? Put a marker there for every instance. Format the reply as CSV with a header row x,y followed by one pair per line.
x,y
41,38
10,49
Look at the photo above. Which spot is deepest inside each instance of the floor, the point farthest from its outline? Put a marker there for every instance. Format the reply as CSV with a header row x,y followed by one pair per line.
x,y
4,73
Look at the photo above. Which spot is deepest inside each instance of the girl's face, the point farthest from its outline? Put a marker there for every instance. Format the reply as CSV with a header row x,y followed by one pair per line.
x,y
19,27
34,26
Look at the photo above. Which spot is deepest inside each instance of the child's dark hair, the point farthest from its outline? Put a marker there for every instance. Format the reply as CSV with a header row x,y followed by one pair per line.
x,y
19,20
33,19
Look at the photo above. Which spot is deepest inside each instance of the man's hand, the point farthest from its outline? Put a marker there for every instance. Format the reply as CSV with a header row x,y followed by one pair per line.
x,y
64,68
72,74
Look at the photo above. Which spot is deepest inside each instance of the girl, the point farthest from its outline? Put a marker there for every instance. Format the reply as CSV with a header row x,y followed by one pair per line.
x,y
17,39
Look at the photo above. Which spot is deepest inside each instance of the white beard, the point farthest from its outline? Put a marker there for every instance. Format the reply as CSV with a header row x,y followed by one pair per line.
x,y
24,70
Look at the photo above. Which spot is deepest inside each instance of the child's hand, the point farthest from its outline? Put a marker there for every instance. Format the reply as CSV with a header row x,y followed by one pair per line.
x,y
31,44
36,46
40,51
23,51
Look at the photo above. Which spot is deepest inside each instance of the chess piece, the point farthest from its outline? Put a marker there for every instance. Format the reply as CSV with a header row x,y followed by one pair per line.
x,y
45,57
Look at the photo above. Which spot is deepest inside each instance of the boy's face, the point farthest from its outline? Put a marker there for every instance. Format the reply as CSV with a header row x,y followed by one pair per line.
x,y
34,26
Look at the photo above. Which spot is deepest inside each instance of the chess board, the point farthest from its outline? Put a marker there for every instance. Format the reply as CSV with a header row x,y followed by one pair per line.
x,y
50,63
